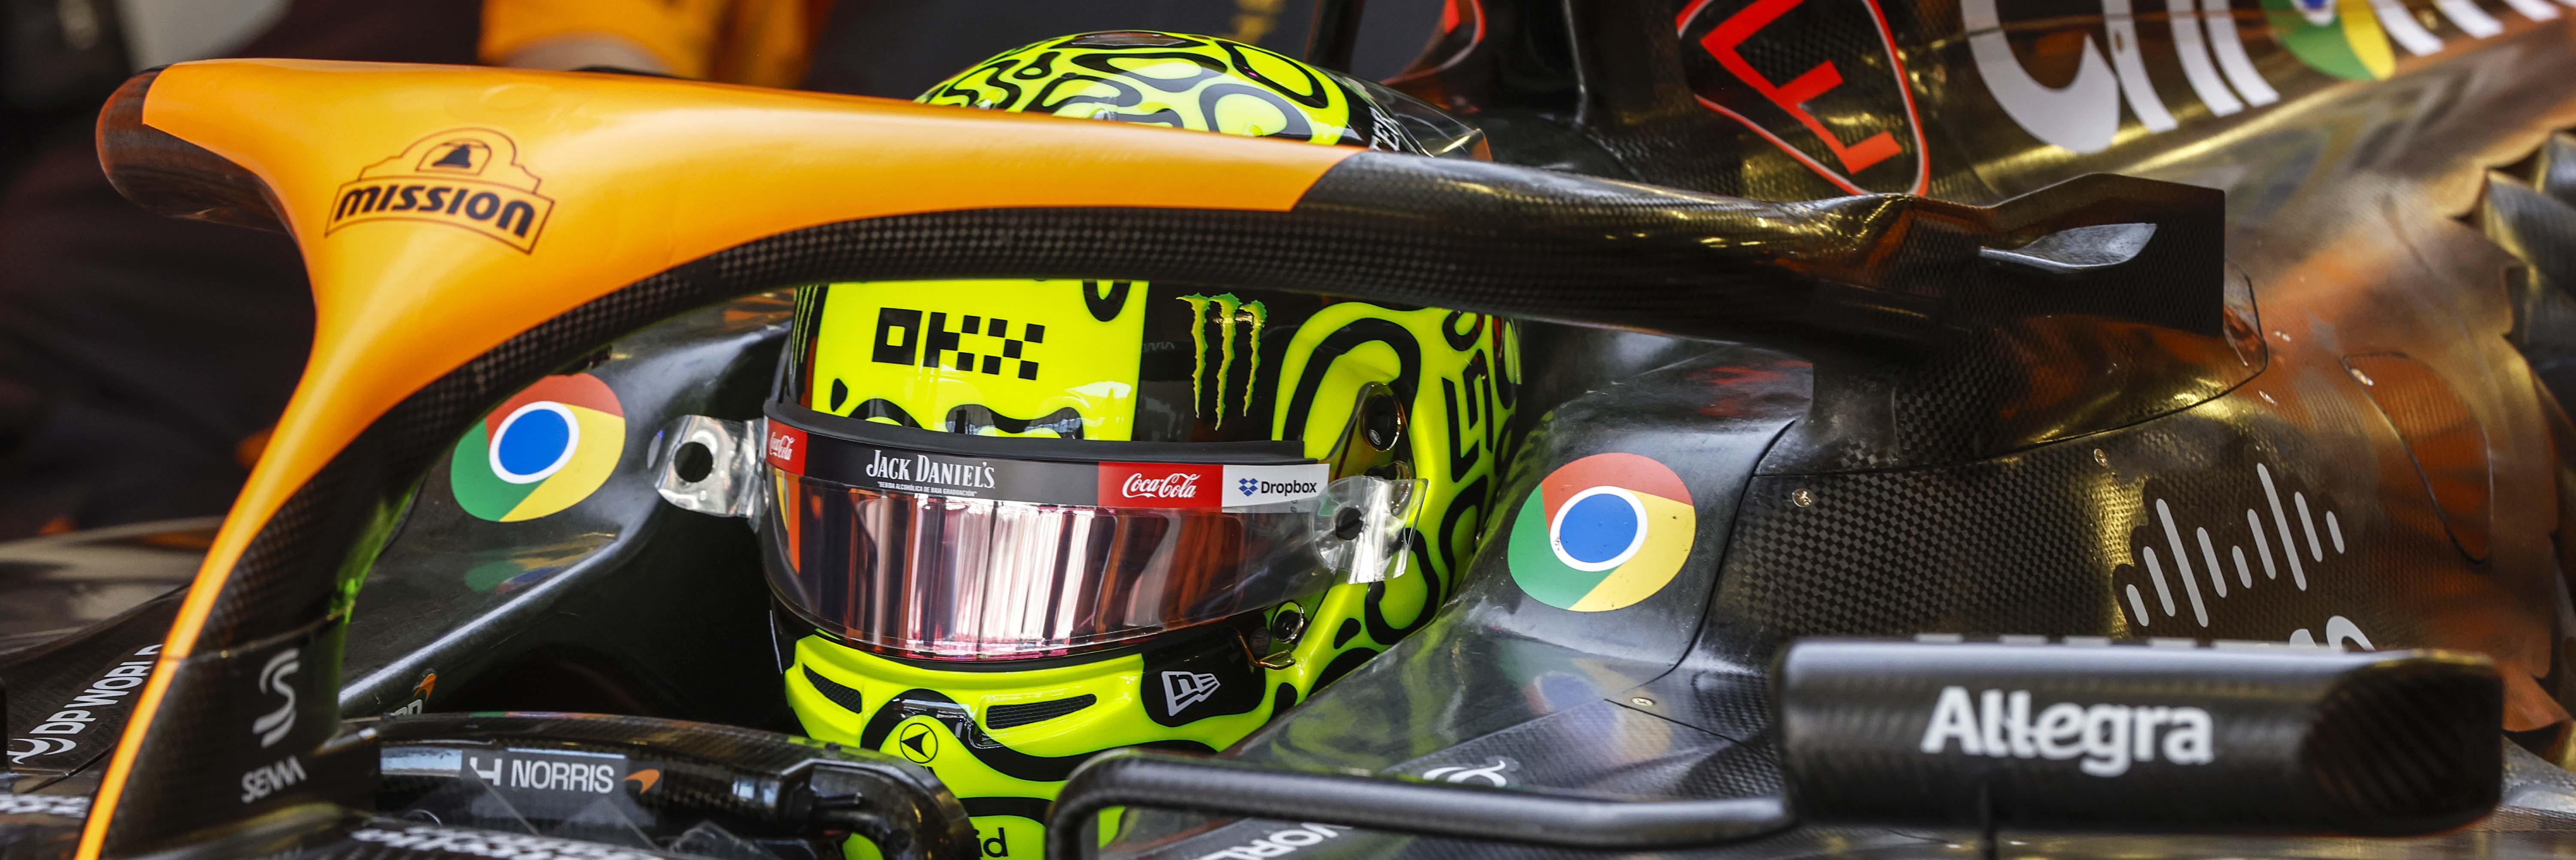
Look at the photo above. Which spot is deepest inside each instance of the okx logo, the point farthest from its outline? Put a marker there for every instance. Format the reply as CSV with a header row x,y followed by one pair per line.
x,y
1183,689
468,178
913,338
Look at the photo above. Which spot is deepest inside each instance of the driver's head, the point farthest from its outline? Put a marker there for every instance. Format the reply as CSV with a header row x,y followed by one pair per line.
x,y
1198,83
1026,521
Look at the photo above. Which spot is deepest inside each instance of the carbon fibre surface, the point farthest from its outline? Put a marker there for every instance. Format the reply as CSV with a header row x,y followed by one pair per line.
x,y
2385,744
2052,539
2531,220
1387,229
548,773
1497,657
1562,751
2182,524
1496,689
2441,436
1997,546
73,674
570,611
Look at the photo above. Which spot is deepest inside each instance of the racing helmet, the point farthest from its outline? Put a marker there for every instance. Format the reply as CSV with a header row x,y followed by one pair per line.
x,y
1019,522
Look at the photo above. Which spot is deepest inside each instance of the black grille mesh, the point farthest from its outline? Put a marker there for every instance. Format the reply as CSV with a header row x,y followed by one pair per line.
x,y
1000,717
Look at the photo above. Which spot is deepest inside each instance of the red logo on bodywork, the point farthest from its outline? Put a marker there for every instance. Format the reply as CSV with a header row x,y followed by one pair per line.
x,y
1159,485
1785,82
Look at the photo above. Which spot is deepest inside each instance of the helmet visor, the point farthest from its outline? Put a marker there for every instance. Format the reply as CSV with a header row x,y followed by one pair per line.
x,y
882,539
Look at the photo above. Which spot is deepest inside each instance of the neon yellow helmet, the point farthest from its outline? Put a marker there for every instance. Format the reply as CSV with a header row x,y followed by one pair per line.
x,y
1199,83
1029,521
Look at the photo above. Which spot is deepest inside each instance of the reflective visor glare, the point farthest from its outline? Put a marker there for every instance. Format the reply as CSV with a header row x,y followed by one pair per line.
x,y
960,578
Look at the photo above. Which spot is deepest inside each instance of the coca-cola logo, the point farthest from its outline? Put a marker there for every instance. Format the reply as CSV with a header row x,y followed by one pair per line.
x,y
786,448
1178,485
1160,485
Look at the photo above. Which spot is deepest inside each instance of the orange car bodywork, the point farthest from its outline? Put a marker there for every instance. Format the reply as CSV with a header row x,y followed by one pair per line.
x,y
634,175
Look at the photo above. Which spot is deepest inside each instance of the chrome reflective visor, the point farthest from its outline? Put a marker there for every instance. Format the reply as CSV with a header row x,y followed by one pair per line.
x,y
950,546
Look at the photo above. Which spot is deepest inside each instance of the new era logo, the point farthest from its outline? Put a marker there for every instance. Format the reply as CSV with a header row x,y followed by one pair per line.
x,y
1183,689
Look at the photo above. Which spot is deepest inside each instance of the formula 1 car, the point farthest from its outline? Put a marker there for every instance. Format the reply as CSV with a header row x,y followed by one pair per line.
x,y
2103,432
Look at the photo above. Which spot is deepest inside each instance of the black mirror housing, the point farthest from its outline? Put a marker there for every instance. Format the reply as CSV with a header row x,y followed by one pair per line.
x,y
2139,739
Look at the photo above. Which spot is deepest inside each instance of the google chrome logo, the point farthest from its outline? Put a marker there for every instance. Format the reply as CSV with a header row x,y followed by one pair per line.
x,y
1602,533
541,451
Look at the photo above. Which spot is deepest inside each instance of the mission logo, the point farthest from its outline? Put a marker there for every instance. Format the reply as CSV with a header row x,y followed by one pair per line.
x,y
468,178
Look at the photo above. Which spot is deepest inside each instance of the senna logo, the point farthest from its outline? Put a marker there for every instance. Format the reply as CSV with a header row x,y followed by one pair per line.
x,y
467,177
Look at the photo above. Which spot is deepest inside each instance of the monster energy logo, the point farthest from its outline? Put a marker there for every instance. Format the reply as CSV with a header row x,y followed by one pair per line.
x,y
1229,311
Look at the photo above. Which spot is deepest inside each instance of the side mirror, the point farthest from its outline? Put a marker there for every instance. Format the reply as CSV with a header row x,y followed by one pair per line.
x,y
2261,740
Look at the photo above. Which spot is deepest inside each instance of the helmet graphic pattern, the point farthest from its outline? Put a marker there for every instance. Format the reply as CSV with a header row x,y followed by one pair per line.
x,y
1119,360
1199,83
1457,376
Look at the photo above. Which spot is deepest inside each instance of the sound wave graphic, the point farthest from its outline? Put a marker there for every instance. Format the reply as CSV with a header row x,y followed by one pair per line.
x,y
2254,523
